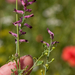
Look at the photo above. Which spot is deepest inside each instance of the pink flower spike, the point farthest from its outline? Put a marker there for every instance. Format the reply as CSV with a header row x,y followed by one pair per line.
x,y
23,40
13,34
18,11
51,34
28,16
27,25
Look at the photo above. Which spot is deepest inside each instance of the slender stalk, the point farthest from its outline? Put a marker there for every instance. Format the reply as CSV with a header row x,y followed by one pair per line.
x,y
18,51
17,30
45,70
49,50
50,44
16,64
42,73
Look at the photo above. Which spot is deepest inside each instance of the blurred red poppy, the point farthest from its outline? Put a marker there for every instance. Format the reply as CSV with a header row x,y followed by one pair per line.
x,y
68,54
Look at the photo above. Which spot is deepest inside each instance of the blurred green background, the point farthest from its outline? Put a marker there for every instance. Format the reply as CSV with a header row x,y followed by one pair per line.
x,y
57,15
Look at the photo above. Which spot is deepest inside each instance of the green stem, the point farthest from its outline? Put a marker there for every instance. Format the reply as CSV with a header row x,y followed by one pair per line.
x,y
17,30
18,51
42,73
16,64
49,50
45,70
50,44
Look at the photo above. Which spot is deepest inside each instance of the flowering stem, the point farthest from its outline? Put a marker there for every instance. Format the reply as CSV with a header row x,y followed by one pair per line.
x,y
18,51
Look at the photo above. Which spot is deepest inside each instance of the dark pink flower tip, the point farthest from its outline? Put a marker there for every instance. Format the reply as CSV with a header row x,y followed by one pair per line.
x,y
23,40
18,11
45,43
22,33
27,25
28,16
51,34
13,34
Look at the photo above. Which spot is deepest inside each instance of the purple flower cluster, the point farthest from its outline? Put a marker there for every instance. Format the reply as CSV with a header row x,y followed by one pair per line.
x,y
25,3
52,37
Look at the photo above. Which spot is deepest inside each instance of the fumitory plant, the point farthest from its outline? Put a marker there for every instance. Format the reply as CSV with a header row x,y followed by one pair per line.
x,y
20,24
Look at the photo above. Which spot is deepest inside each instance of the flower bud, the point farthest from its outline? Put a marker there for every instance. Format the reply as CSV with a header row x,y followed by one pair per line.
x,y
46,53
52,59
53,48
41,71
46,65
16,55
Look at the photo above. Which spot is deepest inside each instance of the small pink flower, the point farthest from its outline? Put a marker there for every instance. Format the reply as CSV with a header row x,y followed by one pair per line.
x,y
32,2
18,11
13,34
16,24
28,16
27,25
22,33
45,43
23,40
26,3
51,34
54,42
23,3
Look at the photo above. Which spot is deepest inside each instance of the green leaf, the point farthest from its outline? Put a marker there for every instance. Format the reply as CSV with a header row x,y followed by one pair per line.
x,y
39,63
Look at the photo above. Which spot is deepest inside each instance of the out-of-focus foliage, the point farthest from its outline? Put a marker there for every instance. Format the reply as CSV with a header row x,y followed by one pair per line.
x,y
57,15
